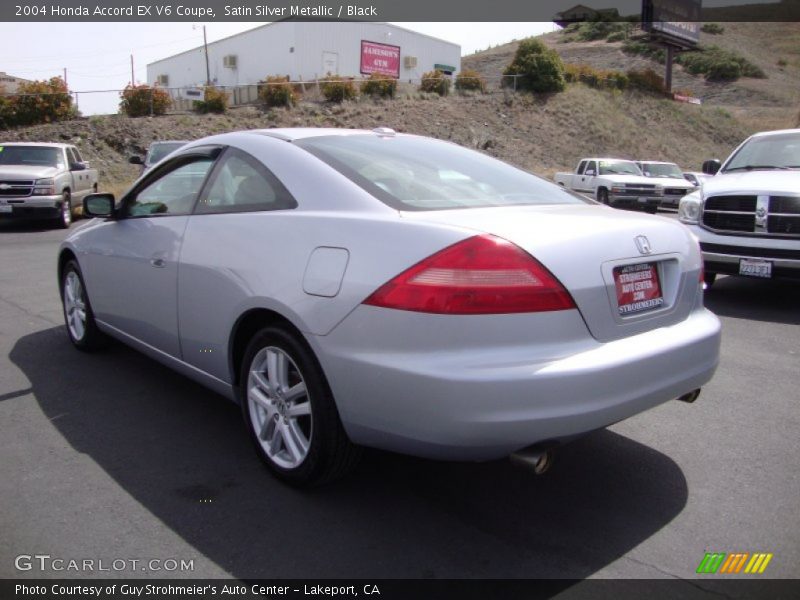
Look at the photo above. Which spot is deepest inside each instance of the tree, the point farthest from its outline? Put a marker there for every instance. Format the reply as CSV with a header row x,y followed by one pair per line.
x,y
537,67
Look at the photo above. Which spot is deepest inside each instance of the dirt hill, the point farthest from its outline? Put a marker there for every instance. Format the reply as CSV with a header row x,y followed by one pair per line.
x,y
540,133
769,103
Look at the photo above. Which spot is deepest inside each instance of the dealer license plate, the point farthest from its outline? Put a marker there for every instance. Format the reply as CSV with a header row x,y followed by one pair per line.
x,y
6,208
638,288
755,268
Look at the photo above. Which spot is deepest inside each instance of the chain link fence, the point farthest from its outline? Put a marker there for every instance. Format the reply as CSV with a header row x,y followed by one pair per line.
x,y
182,99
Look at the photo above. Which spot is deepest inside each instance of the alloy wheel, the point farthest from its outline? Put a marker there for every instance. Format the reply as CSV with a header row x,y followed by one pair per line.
x,y
280,408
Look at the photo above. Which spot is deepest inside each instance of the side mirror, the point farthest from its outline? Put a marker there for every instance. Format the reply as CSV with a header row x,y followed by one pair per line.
x,y
136,160
710,167
589,172
98,205
77,166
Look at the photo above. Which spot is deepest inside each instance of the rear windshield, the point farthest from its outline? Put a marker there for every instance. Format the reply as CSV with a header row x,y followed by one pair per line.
x,y
414,173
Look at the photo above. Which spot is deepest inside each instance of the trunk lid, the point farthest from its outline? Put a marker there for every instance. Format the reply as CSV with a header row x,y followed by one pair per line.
x,y
583,244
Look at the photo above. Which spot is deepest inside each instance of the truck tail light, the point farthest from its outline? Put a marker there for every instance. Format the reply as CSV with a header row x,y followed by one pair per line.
x,y
483,274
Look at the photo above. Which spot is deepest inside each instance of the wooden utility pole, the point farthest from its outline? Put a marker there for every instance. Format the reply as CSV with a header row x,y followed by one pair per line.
x,y
65,76
133,80
205,46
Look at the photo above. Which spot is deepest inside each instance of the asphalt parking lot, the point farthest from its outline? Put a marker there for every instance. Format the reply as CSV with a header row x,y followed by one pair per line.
x,y
112,456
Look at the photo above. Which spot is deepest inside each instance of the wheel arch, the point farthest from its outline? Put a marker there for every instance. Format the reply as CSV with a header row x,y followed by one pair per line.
x,y
245,327
64,257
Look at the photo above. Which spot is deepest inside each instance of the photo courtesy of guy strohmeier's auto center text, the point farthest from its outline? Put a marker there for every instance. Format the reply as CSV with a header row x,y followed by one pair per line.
x,y
426,300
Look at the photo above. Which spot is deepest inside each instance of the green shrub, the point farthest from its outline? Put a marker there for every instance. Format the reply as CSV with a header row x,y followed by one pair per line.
x,y
276,91
337,89
6,115
596,78
380,86
715,63
435,82
724,70
617,36
782,62
646,80
589,31
469,79
214,100
712,28
39,102
642,49
538,68
142,100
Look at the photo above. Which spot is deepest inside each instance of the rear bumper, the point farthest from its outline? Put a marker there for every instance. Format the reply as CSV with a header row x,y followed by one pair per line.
x,y
485,402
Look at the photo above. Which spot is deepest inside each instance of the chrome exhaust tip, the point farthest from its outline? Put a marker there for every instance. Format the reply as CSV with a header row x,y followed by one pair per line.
x,y
690,397
539,461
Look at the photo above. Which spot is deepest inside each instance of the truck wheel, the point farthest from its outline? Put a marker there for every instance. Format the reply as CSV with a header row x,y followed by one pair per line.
x,y
290,412
65,214
602,195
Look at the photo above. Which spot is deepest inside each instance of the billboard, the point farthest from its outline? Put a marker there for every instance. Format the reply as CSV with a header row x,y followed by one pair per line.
x,y
380,58
676,21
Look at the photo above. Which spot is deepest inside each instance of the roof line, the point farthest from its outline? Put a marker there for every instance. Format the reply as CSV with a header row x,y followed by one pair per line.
x,y
230,37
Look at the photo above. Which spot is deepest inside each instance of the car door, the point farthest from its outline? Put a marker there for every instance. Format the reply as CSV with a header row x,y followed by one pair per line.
x,y
80,179
134,258
588,178
235,213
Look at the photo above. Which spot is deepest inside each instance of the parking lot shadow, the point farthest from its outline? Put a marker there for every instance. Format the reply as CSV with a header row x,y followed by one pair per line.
x,y
181,451
775,301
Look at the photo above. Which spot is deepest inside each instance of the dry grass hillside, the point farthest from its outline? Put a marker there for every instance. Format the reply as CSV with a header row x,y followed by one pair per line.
x,y
540,133
769,103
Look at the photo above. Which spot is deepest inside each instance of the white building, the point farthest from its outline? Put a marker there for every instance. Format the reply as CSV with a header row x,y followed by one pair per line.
x,y
10,84
305,51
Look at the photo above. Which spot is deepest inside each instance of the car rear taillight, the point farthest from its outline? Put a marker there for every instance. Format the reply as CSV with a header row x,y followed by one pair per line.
x,y
480,275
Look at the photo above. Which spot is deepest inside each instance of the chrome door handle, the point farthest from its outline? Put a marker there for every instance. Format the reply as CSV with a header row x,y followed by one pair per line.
x,y
157,262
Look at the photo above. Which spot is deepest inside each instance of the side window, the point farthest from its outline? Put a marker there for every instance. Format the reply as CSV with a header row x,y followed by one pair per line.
x,y
172,194
76,153
242,184
592,166
581,167
71,156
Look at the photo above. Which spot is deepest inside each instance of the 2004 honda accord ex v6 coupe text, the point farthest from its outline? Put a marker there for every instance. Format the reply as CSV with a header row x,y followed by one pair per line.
x,y
366,288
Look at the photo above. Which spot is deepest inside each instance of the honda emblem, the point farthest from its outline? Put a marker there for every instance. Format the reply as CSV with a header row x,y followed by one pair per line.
x,y
643,244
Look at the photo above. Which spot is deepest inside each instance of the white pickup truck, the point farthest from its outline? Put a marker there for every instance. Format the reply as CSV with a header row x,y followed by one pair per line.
x,y
747,216
43,181
616,182
669,175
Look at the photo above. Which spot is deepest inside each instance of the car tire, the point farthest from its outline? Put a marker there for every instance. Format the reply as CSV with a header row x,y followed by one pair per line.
x,y
602,196
78,316
651,210
64,218
709,279
290,412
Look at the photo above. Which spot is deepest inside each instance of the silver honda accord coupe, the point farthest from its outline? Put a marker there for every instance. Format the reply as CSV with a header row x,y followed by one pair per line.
x,y
366,288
